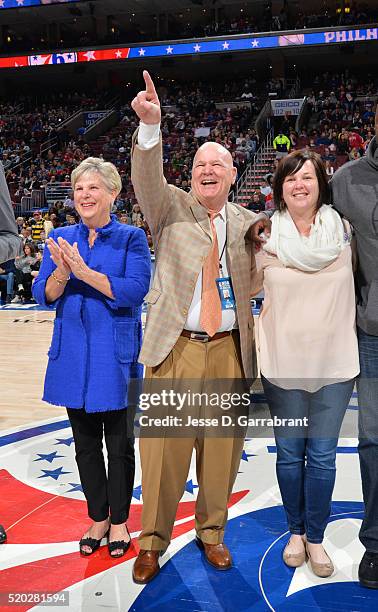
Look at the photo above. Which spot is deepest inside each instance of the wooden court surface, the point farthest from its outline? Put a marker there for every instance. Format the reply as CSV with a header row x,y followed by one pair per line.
x,y
25,337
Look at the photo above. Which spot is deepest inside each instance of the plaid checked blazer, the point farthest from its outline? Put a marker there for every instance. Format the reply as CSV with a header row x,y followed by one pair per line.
x,y
182,237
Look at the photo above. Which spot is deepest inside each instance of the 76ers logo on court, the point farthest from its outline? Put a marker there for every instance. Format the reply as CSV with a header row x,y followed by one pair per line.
x,y
43,508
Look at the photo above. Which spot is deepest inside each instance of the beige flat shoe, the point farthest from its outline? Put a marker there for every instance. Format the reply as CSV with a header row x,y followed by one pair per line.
x,y
294,559
323,570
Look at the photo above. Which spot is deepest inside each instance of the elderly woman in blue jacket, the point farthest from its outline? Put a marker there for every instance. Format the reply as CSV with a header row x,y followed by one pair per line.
x,y
96,274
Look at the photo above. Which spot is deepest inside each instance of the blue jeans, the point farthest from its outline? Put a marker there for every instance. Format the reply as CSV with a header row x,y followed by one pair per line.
x,y
9,278
306,456
367,387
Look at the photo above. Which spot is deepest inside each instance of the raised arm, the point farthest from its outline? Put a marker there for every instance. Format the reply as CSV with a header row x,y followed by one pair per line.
x,y
146,103
151,189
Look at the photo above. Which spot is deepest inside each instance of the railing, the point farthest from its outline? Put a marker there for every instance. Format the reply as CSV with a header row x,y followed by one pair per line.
x,y
295,89
303,116
25,159
69,119
56,192
28,203
47,145
251,171
262,118
102,125
111,102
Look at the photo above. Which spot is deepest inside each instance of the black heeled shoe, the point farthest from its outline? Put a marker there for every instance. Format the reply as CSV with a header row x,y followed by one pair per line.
x,y
3,535
119,545
92,543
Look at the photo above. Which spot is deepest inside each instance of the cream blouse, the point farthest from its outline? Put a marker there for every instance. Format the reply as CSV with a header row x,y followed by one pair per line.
x,y
307,331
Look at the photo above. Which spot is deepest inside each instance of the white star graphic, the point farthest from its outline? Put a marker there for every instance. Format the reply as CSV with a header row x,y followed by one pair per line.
x,y
197,48
118,53
225,45
2,3
169,50
90,55
142,51
255,43
20,2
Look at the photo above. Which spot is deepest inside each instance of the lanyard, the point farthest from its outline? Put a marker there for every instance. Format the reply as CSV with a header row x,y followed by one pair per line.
x,y
221,255
222,252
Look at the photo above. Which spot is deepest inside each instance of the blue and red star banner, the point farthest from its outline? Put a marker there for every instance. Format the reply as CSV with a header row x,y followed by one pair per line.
x,y
10,4
248,44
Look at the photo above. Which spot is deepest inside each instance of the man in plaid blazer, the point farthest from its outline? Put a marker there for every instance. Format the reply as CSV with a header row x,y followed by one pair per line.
x,y
175,346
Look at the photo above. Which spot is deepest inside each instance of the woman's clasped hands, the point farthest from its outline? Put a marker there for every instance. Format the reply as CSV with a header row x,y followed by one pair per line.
x,y
67,258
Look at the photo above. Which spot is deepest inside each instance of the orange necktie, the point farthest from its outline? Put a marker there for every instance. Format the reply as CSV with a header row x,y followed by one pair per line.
x,y
211,311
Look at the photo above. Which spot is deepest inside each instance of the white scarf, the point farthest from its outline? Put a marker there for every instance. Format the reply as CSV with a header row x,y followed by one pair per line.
x,y
327,239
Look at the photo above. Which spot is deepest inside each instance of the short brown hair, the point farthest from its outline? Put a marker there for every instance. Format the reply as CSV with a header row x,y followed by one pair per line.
x,y
290,165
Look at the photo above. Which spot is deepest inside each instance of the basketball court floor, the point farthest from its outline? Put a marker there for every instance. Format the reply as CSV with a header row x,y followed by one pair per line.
x,y
43,509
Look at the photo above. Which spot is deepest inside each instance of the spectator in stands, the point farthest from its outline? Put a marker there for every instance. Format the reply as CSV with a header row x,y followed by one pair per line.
x,y
256,203
65,210
253,141
323,139
62,210
70,220
293,136
137,216
266,185
328,156
20,193
312,143
329,169
343,146
37,225
244,150
42,242
354,154
48,225
25,264
281,145
309,237
7,272
95,345
355,140
123,218
286,125
368,113
26,235
20,221
54,220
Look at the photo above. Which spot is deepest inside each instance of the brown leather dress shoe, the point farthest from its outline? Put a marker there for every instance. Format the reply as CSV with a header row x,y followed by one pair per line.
x,y
146,566
217,555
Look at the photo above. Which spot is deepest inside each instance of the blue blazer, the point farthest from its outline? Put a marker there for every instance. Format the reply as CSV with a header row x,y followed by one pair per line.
x,y
96,340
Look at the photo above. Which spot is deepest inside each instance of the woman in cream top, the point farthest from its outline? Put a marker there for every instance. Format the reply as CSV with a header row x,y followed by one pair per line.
x,y
308,347
307,326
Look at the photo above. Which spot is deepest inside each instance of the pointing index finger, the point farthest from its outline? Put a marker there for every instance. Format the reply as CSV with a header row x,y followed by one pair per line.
x,y
150,87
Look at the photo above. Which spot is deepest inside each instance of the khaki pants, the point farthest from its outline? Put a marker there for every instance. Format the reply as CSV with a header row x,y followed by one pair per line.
x,y
166,460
